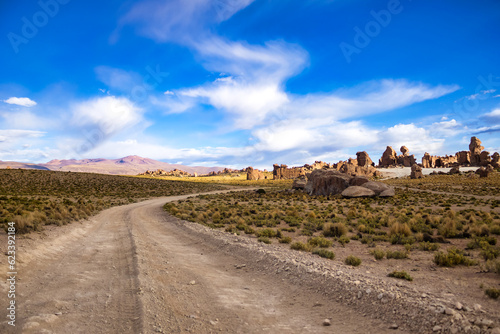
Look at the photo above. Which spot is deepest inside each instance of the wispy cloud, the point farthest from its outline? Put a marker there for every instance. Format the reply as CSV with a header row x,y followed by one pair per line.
x,y
20,101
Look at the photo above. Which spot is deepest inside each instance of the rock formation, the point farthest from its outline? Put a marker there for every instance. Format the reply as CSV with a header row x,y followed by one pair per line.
x,y
416,172
332,182
363,159
495,160
405,159
161,172
254,174
389,158
475,150
282,172
299,183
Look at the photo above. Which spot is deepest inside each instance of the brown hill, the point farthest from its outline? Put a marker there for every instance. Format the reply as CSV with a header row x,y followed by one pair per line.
x,y
130,165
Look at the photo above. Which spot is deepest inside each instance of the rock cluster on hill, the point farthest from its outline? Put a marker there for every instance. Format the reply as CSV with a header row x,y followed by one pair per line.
x,y
332,182
161,172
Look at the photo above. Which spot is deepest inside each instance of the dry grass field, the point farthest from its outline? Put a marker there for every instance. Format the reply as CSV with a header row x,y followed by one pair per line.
x,y
33,198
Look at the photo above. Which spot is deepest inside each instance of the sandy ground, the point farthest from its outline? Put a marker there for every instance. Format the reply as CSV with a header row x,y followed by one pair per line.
x,y
133,269
406,171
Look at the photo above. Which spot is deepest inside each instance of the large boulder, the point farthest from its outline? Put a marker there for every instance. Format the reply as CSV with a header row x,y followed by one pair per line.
x,y
376,187
358,181
455,170
416,172
389,158
357,191
388,193
326,182
363,159
483,172
300,183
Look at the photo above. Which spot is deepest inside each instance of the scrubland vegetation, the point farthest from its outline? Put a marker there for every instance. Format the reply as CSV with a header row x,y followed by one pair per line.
x,y
33,198
455,229
467,183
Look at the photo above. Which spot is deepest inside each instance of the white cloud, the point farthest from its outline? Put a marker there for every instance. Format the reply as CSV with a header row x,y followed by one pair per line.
x,y
493,116
118,79
109,114
20,101
418,140
179,20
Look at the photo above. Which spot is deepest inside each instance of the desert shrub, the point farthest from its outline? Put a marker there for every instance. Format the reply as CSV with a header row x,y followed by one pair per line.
x,y
353,261
324,253
396,255
428,246
300,246
343,240
452,258
267,232
320,242
477,242
334,229
489,252
492,266
265,240
492,293
401,275
285,240
377,253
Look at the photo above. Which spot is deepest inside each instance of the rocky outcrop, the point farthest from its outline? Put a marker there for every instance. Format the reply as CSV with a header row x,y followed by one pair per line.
x,y
463,158
254,174
282,172
484,158
332,182
416,172
495,160
475,150
363,159
161,172
354,170
389,158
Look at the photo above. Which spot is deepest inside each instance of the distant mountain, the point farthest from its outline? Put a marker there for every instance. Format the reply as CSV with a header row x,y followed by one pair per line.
x,y
131,165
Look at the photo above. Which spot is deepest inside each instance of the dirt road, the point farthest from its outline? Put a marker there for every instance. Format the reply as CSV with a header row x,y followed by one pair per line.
x,y
133,269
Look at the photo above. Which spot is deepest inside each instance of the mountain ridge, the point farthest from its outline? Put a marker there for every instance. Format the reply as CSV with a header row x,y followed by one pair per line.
x,y
129,165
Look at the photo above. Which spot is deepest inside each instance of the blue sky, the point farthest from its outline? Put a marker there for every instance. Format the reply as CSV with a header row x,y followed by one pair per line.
x,y
246,82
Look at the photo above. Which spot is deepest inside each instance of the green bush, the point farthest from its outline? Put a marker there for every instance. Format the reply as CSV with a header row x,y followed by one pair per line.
x,y
267,232
428,246
452,258
265,240
343,240
353,261
401,275
320,242
377,253
492,293
300,246
334,230
397,255
285,240
324,253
